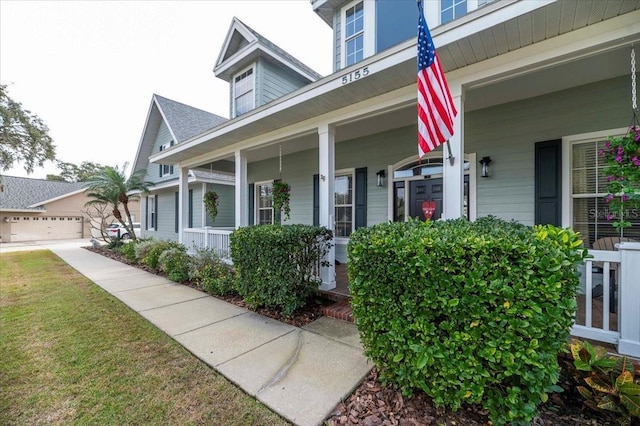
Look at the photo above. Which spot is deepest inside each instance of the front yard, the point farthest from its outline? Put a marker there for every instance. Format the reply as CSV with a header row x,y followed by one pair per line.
x,y
71,353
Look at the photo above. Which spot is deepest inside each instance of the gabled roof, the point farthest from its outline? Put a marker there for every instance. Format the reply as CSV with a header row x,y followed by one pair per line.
x,y
183,121
243,45
28,193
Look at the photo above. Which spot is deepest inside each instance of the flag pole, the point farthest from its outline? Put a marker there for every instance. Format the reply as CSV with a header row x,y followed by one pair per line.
x,y
451,158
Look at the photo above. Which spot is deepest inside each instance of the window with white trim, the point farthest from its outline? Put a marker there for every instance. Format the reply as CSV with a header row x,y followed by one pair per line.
x,y
151,212
166,169
588,191
264,203
354,34
452,9
243,92
344,211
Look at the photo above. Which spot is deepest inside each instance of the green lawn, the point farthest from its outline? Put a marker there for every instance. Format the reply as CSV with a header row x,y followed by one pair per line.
x,y
70,353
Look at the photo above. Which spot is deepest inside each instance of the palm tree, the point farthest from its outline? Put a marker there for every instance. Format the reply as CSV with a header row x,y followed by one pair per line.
x,y
112,187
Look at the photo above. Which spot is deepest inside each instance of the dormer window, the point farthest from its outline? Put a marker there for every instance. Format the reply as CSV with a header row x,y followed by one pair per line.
x,y
354,34
243,92
453,9
166,169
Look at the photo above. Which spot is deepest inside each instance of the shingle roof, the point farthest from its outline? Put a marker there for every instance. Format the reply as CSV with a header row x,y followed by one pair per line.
x,y
20,192
268,43
186,121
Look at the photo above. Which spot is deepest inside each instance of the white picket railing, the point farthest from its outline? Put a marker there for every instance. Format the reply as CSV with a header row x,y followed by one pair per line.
x,y
216,239
609,298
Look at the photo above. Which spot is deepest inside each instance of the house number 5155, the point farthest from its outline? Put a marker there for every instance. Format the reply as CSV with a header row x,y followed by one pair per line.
x,y
355,75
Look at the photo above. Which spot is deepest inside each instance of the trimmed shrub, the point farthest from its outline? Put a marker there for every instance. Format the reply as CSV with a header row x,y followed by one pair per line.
x,y
276,265
129,250
466,312
143,248
152,256
216,279
211,274
175,263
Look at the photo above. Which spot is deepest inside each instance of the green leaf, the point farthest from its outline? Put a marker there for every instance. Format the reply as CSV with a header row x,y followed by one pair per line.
x,y
398,357
599,385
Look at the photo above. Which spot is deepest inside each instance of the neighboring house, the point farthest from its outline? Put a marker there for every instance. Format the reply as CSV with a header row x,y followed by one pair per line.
x,y
169,123
538,85
36,209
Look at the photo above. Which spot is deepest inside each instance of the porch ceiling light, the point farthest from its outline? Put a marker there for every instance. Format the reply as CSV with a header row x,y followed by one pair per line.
x,y
380,175
485,166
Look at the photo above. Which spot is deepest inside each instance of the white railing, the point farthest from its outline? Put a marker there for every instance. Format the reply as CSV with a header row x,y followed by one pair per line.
x,y
216,239
609,298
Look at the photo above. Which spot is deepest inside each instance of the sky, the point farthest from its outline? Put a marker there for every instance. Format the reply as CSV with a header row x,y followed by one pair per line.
x,y
88,69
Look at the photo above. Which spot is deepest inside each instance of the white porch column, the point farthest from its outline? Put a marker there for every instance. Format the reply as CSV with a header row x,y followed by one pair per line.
x,y
241,190
453,176
628,296
327,169
183,201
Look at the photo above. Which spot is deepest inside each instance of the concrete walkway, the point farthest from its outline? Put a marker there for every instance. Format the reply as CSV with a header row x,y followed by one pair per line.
x,y
300,373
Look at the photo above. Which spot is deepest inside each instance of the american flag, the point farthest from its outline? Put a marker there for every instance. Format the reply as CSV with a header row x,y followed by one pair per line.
x,y
435,106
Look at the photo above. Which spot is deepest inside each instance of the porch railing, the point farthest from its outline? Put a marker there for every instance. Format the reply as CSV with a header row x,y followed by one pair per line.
x,y
216,239
609,298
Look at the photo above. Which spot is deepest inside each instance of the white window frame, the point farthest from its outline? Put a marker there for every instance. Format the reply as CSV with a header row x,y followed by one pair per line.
x,y
348,173
368,31
567,182
252,70
152,218
257,207
166,169
453,8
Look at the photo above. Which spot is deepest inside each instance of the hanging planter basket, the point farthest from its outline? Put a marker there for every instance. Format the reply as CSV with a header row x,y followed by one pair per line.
x,y
211,202
280,196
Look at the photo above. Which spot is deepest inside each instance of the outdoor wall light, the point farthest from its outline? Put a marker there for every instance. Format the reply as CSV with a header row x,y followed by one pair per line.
x,y
6,219
381,175
485,166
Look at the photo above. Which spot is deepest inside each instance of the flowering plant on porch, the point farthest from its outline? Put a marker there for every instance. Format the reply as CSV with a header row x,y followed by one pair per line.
x,y
281,192
622,156
211,204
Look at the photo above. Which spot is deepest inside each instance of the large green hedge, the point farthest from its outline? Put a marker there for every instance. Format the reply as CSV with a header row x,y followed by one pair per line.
x,y
276,265
468,312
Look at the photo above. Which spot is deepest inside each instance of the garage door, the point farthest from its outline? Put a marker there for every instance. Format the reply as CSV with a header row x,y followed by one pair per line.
x,y
32,228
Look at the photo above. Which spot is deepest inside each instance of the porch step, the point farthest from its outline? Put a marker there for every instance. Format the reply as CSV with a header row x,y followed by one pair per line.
x,y
340,310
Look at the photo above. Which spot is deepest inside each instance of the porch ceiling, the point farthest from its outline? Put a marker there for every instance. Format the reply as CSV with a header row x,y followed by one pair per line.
x,y
397,70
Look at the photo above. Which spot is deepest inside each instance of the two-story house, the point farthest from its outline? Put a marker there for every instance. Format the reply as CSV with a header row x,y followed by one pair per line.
x,y
539,86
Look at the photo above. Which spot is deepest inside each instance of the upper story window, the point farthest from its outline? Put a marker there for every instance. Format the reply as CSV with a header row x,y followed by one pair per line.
x,y
354,34
243,92
452,9
166,169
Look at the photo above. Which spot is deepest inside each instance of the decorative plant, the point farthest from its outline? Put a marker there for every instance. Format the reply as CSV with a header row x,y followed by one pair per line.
x,y
281,193
612,383
211,204
622,156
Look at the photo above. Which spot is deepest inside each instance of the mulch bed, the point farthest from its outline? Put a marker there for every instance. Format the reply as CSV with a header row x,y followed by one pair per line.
x,y
372,404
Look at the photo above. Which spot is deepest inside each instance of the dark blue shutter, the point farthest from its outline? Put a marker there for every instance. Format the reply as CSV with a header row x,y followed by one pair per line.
x,y
191,209
171,167
177,211
146,213
277,215
251,203
548,183
160,165
155,221
361,197
316,200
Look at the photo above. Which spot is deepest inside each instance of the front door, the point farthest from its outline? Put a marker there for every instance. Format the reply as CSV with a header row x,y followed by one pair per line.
x,y
426,199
